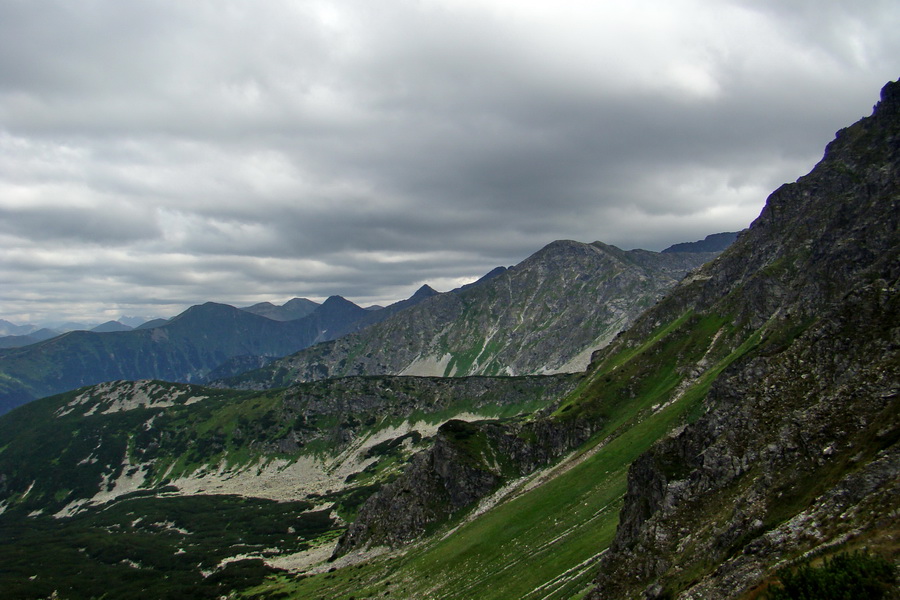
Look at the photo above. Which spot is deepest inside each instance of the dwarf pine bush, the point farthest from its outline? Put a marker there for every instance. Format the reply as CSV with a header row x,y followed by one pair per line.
x,y
846,576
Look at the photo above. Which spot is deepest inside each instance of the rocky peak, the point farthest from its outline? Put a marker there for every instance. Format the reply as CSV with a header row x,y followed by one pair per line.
x,y
814,237
426,291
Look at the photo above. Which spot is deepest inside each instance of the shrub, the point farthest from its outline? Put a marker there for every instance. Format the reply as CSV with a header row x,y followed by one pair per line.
x,y
846,576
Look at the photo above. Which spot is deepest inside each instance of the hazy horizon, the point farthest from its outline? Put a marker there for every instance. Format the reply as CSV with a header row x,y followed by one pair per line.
x,y
154,155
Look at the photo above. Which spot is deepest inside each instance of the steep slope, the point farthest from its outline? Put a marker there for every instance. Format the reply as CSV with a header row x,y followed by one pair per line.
x,y
798,450
184,348
544,315
771,376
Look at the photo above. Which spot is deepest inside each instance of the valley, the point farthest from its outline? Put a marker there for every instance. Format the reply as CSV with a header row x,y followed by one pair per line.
x,y
589,424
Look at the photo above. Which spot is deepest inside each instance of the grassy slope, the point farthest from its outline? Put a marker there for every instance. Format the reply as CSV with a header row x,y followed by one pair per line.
x,y
542,544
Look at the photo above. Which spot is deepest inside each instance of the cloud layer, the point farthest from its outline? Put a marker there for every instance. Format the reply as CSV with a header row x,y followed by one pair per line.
x,y
156,154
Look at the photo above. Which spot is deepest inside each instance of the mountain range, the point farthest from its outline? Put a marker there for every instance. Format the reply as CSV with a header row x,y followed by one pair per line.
x,y
14,336
544,315
744,426
181,349
556,332
296,308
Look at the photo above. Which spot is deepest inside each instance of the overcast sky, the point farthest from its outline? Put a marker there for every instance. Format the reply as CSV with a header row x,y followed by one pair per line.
x,y
156,154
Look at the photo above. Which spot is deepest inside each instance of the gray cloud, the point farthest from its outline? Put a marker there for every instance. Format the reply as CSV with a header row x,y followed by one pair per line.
x,y
159,154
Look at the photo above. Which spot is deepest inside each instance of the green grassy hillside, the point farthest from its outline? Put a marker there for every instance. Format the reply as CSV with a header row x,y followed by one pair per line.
x,y
146,489
546,531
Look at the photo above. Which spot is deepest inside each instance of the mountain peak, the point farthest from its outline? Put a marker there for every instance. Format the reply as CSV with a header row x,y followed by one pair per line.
x,y
890,96
295,308
333,301
558,245
560,250
111,326
426,291
338,305
210,308
299,302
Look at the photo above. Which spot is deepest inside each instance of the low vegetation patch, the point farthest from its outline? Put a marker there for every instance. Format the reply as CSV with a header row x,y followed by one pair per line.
x,y
844,576
155,547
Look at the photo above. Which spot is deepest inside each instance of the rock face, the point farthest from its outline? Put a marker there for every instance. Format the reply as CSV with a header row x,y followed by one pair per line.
x,y
544,315
468,461
798,448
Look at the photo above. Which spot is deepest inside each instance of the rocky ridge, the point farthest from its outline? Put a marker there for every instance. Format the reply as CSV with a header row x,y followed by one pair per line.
x,y
714,242
295,308
545,315
797,452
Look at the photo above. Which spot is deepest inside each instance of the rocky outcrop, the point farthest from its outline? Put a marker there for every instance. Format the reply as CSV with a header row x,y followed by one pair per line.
x,y
798,449
467,462
436,484
765,475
